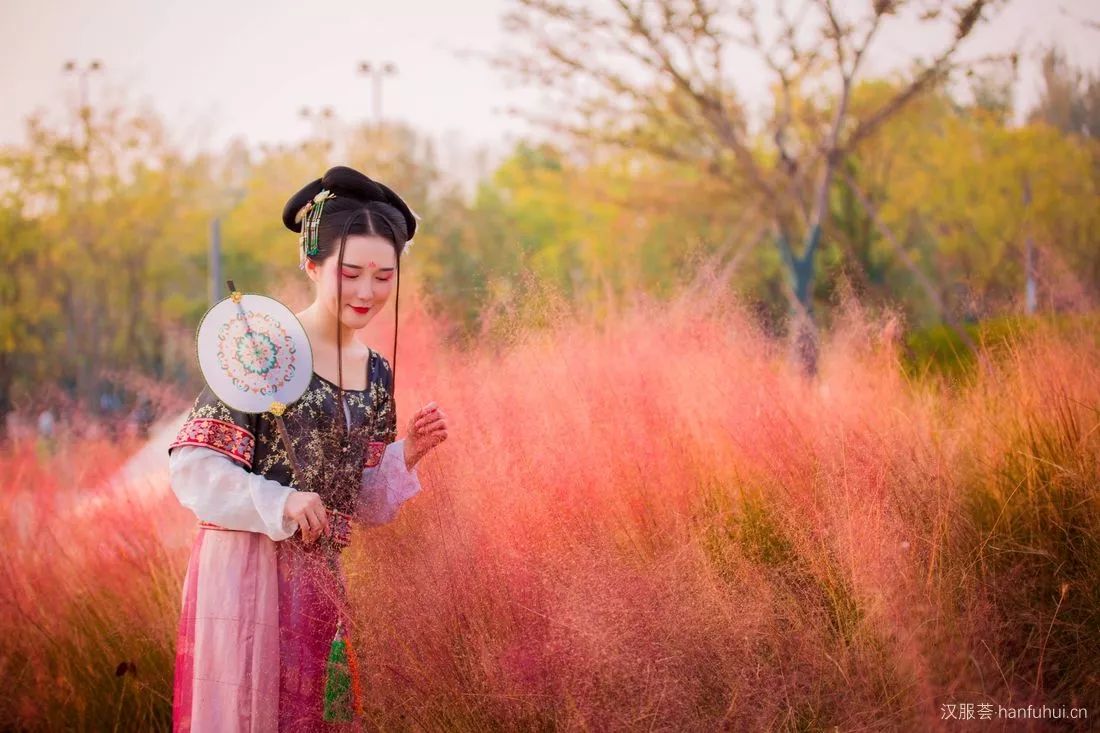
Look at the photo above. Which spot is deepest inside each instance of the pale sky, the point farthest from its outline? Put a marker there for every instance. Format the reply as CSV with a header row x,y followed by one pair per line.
x,y
216,70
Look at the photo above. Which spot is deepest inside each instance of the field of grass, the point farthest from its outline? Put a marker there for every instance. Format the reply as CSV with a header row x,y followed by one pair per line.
x,y
647,524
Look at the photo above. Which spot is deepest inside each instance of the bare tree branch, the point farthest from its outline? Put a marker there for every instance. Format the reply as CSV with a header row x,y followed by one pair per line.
x,y
688,110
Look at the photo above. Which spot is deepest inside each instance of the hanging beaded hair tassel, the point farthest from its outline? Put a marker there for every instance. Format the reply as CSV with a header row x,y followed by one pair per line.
x,y
310,216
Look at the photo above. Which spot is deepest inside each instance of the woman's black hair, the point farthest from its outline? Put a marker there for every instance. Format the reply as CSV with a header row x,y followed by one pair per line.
x,y
361,206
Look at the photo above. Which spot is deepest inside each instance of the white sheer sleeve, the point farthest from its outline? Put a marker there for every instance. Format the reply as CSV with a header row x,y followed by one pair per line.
x,y
221,491
387,486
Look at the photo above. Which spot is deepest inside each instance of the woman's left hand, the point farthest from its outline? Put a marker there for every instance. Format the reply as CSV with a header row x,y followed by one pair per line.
x,y
427,429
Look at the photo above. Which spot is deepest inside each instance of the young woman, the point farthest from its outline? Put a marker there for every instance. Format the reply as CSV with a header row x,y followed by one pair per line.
x,y
263,593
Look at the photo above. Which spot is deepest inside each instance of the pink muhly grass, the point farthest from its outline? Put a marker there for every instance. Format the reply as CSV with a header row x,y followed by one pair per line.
x,y
651,521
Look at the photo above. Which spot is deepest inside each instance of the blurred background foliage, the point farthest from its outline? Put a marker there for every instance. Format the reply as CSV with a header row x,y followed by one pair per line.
x,y
106,228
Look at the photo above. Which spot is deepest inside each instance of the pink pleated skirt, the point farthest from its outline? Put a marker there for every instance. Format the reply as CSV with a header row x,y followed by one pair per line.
x,y
256,624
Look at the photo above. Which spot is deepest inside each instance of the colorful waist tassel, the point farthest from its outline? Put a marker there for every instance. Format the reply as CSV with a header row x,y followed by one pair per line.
x,y
341,679
342,690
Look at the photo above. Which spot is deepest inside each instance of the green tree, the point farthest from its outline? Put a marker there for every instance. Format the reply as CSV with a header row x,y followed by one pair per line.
x,y
652,77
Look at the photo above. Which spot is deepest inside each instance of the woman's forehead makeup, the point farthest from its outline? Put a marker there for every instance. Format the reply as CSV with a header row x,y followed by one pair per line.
x,y
372,265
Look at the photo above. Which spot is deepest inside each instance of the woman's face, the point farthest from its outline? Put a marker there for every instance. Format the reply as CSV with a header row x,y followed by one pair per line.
x,y
368,274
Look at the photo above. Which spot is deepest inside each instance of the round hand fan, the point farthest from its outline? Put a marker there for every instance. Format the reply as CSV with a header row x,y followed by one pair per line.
x,y
255,356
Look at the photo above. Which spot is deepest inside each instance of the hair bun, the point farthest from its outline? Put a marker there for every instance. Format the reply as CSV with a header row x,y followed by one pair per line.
x,y
350,183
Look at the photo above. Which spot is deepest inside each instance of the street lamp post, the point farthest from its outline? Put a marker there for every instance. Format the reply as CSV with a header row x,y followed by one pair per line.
x,y
327,127
82,333
231,195
71,67
323,118
376,72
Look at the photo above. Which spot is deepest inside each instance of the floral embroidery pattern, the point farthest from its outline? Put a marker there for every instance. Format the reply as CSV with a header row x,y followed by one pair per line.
x,y
224,437
332,457
256,353
373,455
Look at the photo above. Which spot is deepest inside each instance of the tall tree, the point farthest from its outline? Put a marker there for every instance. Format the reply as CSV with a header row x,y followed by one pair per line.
x,y
1069,98
655,76
102,215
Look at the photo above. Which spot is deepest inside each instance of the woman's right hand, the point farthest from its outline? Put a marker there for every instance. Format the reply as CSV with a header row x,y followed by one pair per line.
x,y
307,509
